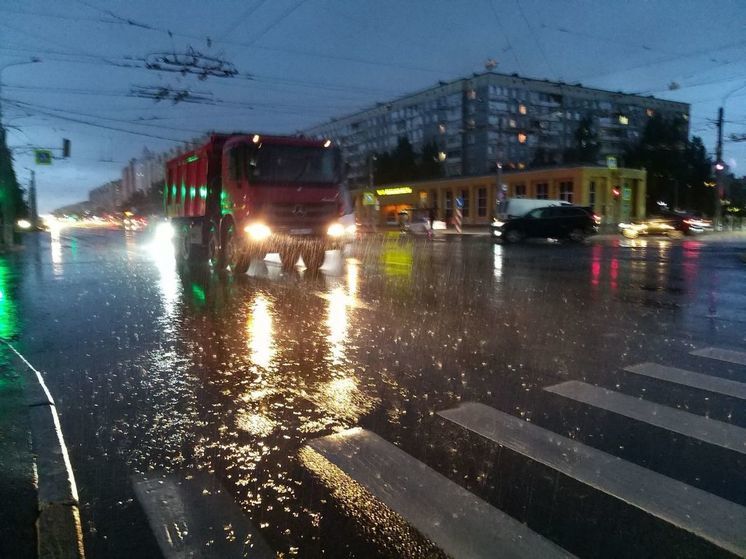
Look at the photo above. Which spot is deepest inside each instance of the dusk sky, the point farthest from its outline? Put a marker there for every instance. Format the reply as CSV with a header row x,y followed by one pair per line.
x,y
301,62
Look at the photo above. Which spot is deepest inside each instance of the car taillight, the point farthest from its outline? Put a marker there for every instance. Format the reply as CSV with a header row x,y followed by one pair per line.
x,y
597,219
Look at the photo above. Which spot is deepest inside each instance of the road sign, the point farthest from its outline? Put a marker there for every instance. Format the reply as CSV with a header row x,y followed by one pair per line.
x,y
459,202
43,156
611,162
369,199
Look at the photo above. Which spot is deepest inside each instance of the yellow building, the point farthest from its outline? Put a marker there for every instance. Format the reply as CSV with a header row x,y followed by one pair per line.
x,y
615,194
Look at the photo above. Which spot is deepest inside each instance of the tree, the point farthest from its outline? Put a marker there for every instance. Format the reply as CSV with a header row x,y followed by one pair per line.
x,y
430,166
403,163
698,173
586,146
663,150
11,195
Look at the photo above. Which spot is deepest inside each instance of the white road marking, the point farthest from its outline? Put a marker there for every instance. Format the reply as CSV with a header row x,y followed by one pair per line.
x,y
697,427
715,519
728,355
691,379
454,519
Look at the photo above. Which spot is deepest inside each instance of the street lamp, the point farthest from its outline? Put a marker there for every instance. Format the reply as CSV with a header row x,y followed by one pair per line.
x,y
7,208
33,60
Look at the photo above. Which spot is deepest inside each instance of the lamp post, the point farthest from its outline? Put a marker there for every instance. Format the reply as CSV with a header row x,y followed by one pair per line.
x,y
8,212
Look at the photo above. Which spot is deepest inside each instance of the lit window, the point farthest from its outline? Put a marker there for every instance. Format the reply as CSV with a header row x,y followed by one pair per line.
x,y
522,138
623,119
442,128
685,116
522,109
521,165
511,123
471,94
649,112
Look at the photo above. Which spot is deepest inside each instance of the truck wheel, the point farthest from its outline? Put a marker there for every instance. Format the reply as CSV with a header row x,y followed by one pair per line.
x,y
313,258
289,258
182,245
232,256
213,249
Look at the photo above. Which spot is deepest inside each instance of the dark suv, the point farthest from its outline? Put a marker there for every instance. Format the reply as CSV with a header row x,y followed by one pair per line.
x,y
555,222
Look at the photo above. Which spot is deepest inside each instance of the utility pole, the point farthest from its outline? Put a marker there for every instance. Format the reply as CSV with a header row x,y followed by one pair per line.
x,y
719,168
32,201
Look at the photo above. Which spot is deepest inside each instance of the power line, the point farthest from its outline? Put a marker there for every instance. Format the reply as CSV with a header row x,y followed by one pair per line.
x,y
241,18
535,37
95,125
277,21
505,34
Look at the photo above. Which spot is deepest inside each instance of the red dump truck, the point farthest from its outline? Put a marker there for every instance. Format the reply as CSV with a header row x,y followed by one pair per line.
x,y
239,196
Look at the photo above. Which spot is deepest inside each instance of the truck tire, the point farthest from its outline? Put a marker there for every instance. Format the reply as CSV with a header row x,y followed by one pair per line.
x,y
232,255
313,257
213,249
289,258
181,245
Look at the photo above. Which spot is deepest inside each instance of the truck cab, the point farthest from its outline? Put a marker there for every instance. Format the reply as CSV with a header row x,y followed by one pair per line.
x,y
263,194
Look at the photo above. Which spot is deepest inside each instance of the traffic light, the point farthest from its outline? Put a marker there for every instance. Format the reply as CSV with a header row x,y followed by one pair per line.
x,y
65,147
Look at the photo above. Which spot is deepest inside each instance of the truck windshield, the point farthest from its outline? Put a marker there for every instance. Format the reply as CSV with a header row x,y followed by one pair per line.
x,y
283,164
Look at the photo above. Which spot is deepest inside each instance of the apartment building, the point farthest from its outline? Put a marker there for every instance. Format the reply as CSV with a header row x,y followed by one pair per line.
x,y
476,122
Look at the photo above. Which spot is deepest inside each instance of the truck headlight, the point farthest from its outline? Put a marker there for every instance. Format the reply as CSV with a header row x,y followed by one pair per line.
x,y
497,223
335,230
164,232
258,231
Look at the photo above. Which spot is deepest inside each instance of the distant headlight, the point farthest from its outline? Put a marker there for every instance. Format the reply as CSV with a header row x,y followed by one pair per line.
x,y
24,224
497,223
336,230
164,231
258,231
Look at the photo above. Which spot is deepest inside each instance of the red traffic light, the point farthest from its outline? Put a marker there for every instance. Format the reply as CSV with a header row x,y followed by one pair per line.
x,y
616,192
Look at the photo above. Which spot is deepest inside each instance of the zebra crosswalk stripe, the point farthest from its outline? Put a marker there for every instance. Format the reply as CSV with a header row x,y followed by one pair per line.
x,y
710,517
717,385
697,427
457,521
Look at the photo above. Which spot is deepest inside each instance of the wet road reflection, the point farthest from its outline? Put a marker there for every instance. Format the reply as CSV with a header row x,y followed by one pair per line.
x,y
232,376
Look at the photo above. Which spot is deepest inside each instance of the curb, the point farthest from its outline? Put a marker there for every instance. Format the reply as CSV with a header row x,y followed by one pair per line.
x,y
59,532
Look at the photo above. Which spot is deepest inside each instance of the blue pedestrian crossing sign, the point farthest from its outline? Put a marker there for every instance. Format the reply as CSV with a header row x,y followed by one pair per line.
x,y
460,203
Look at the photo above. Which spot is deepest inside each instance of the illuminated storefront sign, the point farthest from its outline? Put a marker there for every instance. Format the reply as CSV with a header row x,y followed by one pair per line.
x,y
394,191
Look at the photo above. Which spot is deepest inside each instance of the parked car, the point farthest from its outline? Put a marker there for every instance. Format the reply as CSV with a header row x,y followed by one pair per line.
x,y
518,207
552,222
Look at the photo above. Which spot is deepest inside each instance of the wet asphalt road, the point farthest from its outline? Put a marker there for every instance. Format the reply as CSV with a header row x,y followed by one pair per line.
x,y
156,369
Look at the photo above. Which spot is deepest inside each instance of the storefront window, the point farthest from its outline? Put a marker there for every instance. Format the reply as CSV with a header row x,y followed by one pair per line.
x,y
465,198
449,204
482,202
566,191
519,191
592,194
542,191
